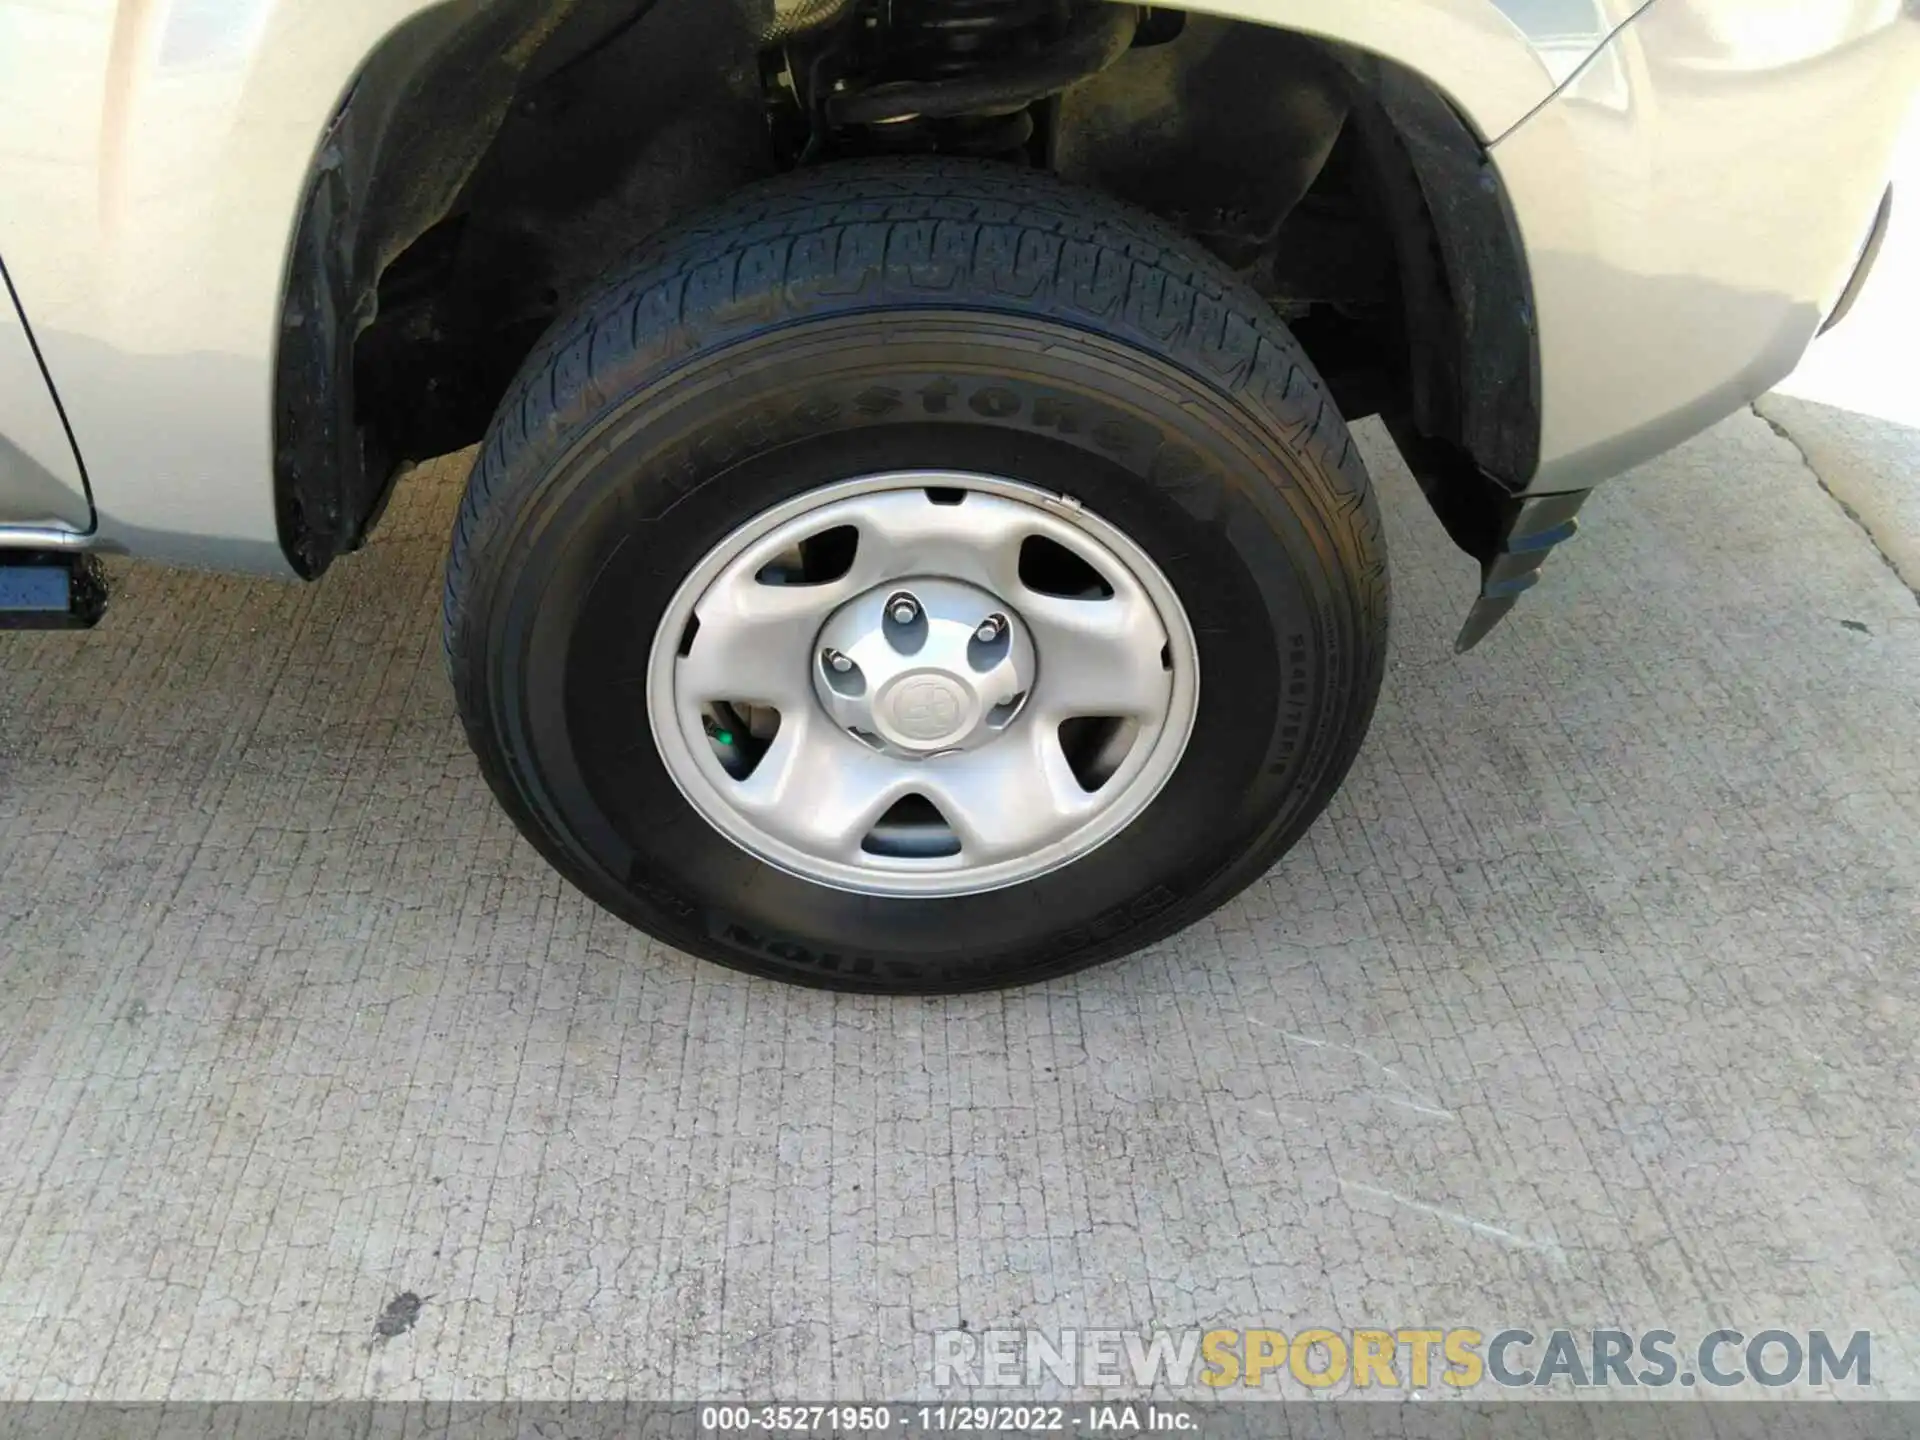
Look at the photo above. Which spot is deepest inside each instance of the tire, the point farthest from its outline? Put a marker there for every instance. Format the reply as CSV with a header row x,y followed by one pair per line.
x,y
901,316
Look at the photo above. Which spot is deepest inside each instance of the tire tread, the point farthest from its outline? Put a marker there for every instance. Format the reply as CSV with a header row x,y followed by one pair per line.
x,y
932,233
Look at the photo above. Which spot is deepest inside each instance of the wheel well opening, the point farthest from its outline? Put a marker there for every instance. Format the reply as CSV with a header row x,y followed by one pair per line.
x,y
493,161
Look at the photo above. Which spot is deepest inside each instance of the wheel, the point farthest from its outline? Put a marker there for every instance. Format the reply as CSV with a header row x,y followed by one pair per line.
x,y
916,576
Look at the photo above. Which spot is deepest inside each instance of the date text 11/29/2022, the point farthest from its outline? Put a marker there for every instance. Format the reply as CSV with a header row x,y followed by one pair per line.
x,y
1117,1418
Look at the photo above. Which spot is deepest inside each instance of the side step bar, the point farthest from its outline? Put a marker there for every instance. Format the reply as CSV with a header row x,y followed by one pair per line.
x,y
51,590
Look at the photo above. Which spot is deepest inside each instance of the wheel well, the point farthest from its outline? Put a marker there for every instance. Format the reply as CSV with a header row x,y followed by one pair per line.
x,y
493,159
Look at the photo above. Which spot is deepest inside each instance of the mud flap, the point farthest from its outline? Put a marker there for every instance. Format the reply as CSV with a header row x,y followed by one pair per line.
x,y
1510,566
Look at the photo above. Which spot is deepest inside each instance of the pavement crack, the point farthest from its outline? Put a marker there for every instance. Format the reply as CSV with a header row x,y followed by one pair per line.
x,y
1483,1228
1911,582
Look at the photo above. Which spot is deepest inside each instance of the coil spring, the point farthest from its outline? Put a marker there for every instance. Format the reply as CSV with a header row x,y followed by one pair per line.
x,y
939,39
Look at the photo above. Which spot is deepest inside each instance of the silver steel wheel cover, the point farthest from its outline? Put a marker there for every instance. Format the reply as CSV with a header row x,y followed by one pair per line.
x,y
1002,784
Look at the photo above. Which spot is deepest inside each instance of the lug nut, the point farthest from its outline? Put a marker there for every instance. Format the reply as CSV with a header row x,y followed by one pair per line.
x,y
839,662
904,609
989,630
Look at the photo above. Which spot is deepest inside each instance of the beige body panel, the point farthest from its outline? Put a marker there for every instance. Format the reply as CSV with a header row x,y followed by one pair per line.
x,y
1692,205
154,156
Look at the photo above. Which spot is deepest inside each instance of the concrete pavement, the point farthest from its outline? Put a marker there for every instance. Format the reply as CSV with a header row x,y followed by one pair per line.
x,y
1592,1000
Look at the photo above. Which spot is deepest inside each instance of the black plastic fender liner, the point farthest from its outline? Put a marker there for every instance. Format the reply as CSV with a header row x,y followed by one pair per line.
x,y
1473,342
1471,432
415,122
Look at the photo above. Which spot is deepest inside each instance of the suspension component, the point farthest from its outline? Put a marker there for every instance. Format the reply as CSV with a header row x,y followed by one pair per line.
x,y
946,39
777,21
978,46
953,77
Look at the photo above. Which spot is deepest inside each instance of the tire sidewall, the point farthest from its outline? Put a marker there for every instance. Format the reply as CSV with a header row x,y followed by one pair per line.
x,y
571,580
